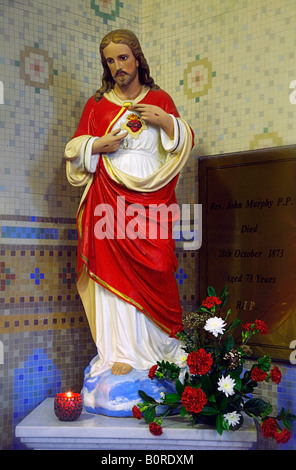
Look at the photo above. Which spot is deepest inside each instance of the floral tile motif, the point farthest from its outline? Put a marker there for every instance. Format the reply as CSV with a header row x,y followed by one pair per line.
x,y
266,140
180,276
68,275
198,78
36,67
37,275
107,9
5,276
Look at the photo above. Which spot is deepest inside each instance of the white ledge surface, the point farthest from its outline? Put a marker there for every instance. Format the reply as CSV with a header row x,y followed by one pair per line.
x,y
42,430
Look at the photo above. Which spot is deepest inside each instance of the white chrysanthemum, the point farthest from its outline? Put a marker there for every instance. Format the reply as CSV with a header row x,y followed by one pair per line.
x,y
226,385
232,418
215,325
181,359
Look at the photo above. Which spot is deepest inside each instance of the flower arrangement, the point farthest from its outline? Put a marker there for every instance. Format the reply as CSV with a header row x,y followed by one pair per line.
x,y
214,386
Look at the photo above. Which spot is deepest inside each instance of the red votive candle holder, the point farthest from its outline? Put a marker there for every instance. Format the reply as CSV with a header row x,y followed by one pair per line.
x,y
68,406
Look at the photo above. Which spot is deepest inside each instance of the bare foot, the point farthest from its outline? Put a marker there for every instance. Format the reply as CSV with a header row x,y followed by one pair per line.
x,y
120,368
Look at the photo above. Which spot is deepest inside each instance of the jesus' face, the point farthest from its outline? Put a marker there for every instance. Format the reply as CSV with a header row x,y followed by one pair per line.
x,y
122,64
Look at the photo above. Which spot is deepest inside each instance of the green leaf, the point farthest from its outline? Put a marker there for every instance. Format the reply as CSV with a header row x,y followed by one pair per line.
x,y
264,363
223,404
219,423
172,398
223,301
187,379
255,406
149,415
183,412
223,292
267,411
247,376
228,344
146,397
238,381
211,398
223,296
238,370
209,411
206,385
282,413
225,425
202,309
236,322
179,387
211,292
174,376
288,425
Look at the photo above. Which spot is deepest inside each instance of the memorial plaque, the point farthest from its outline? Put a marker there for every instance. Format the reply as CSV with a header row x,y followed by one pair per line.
x,y
249,240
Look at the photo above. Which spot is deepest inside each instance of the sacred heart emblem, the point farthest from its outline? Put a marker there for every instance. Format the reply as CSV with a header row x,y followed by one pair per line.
x,y
134,125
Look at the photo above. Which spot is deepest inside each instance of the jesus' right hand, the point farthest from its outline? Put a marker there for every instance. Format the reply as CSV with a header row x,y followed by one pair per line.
x,y
109,142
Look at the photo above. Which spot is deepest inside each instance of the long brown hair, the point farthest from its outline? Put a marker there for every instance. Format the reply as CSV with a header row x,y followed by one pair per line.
x,y
123,36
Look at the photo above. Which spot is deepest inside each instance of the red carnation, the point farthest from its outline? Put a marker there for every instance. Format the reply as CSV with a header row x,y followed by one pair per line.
x,y
210,301
261,326
247,326
199,362
152,371
155,429
137,413
276,375
268,427
257,325
283,436
175,330
258,375
193,399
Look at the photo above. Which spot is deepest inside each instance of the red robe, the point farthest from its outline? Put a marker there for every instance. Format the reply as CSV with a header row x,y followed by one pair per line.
x,y
141,270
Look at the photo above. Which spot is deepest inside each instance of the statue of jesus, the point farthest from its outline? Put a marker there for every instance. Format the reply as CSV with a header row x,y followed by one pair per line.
x,y
128,149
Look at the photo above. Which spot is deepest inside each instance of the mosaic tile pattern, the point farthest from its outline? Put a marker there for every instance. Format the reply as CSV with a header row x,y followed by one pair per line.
x,y
197,78
38,277
44,361
228,67
42,322
35,379
286,399
29,233
47,73
36,68
249,47
106,9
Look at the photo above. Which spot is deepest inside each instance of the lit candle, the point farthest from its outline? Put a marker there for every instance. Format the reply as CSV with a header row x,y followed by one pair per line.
x,y
68,406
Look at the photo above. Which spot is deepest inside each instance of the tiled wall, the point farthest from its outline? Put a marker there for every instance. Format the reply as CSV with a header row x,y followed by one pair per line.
x,y
228,65
49,66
